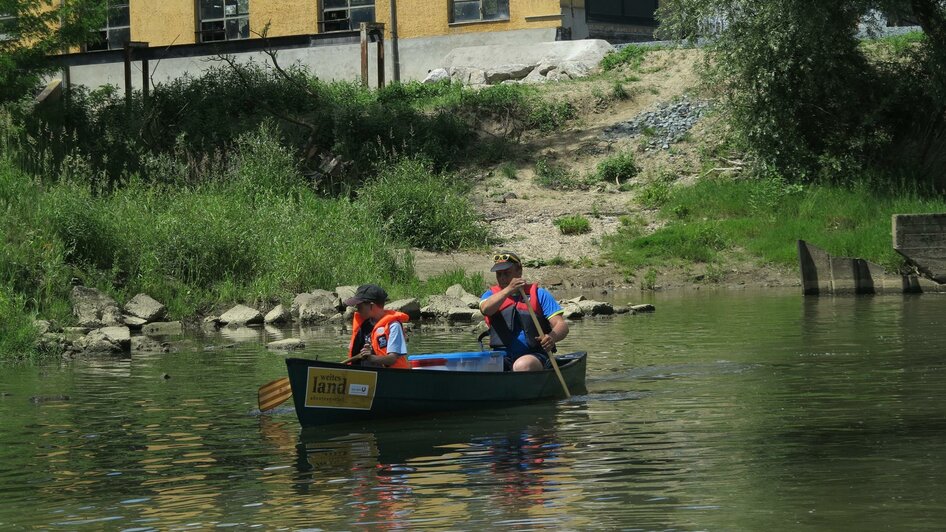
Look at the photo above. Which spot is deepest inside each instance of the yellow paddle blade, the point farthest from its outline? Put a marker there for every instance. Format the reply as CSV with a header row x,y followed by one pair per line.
x,y
274,394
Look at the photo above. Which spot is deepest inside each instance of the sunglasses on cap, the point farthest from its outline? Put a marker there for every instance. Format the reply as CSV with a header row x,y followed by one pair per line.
x,y
506,257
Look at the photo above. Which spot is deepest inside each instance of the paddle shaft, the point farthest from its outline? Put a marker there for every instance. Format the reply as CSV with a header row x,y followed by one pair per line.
x,y
538,327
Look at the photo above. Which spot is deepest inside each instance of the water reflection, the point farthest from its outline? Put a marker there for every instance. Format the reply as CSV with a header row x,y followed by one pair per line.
x,y
439,470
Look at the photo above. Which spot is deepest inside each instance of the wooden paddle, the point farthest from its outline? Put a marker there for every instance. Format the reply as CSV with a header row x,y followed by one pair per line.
x,y
538,327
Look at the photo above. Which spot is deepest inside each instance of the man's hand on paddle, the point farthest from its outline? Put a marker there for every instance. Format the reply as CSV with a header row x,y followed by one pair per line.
x,y
547,343
515,284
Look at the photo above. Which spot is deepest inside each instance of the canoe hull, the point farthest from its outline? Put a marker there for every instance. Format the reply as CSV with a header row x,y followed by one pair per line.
x,y
326,393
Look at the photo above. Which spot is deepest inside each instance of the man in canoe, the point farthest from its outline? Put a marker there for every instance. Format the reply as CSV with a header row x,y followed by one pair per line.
x,y
511,327
377,337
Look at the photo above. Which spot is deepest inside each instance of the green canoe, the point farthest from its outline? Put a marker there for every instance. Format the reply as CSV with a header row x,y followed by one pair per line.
x,y
327,392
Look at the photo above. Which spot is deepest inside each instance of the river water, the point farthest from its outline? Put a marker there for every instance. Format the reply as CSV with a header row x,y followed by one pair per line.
x,y
720,411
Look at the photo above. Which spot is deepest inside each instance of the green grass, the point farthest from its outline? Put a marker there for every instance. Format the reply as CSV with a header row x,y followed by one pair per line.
x,y
575,224
17,334
765,218
552,175
898,44
508,170
631,56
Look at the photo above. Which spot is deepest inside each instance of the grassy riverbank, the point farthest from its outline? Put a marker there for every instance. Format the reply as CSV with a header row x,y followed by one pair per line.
x,y
721,221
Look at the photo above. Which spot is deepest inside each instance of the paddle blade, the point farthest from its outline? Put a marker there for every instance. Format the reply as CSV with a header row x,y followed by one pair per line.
x,y
274,394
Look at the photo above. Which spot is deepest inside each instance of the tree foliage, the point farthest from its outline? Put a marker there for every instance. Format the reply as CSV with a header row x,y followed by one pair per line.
x,y
33,31
807,96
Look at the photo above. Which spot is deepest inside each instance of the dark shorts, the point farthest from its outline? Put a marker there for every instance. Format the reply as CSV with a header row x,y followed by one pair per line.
x,y
508,360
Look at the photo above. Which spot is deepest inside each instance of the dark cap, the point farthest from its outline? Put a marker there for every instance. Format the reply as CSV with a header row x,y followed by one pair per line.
x,y
504,260
368,292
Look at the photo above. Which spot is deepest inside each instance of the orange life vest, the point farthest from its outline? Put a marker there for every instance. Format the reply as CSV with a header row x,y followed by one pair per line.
x,y
380,329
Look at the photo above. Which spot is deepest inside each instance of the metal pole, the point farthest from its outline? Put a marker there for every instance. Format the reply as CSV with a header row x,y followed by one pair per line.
x,y
395,56
380,57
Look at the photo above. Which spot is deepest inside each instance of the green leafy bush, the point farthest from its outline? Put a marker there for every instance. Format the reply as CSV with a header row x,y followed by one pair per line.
x,y
575,224
422,209
618,168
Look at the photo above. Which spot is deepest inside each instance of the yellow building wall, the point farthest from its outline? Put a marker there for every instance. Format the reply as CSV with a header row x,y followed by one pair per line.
x,y
163,23
285,17
168,22
425,18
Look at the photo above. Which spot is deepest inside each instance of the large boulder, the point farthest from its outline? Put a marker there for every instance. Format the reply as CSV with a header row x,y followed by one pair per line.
x,y
163,328
345,292
279,314
495,61
241,315
458,292
106,340
146,344
449,308
289,344
592,308
572,311
133,322
507,72
93,308
315,306
410,306
435,75
144,307
646,307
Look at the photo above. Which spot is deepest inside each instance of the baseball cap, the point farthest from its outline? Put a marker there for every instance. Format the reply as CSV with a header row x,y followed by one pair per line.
x,y
504,260
367,292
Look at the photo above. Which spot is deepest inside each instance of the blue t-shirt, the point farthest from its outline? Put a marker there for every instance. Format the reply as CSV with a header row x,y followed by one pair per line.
x,y
549,307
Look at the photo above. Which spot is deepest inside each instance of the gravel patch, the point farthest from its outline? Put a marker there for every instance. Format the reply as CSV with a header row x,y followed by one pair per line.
x,y
668,123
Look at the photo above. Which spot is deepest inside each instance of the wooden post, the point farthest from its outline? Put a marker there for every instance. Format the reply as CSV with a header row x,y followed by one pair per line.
x,y
127,74
364,54
145,80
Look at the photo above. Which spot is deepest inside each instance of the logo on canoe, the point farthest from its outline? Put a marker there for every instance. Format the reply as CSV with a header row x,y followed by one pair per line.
x,y
340,388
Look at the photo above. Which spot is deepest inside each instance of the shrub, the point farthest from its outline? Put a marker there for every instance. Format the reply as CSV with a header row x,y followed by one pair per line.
x,y
619,92
551,175
508,170
549,116
621,167
573,225
421,208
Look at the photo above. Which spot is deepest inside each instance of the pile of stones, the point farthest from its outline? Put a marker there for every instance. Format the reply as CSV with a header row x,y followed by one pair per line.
x,y
668,123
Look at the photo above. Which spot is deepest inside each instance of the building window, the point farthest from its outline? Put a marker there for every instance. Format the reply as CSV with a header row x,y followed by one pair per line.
x,y
345,15
224,20
623,11
7,27
476,10
117,30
